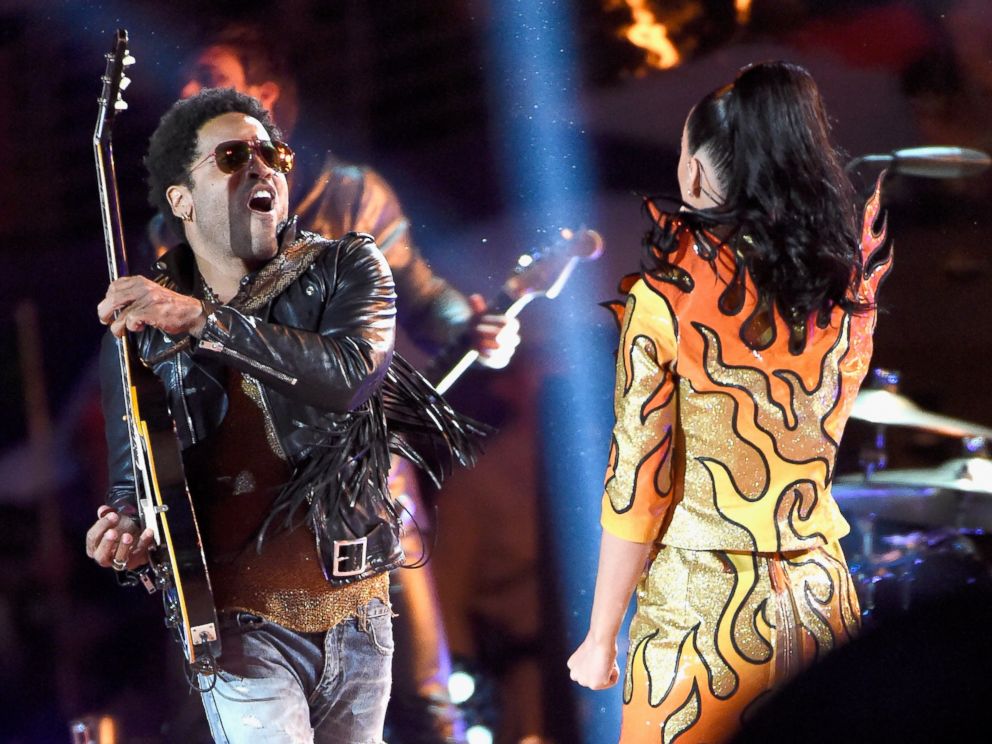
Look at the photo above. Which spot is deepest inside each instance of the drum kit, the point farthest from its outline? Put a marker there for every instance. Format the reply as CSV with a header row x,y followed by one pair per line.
x,y
922,530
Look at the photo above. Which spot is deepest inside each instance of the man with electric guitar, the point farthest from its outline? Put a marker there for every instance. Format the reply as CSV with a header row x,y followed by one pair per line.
x,y
341,198
275,350
332,197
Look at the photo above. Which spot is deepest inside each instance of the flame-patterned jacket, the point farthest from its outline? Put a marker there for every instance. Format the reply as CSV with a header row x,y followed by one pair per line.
x,y
728,418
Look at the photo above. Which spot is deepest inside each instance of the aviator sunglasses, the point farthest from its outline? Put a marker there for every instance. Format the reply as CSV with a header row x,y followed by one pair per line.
x,y
234,155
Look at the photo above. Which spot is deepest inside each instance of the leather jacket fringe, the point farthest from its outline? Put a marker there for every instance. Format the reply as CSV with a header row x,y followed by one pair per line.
x,y
315,328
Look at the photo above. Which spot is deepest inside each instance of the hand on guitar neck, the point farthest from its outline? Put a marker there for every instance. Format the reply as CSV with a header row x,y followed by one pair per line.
x,y
495,337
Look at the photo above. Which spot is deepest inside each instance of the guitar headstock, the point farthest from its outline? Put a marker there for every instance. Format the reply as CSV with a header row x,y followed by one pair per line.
x,y
115,82
545,270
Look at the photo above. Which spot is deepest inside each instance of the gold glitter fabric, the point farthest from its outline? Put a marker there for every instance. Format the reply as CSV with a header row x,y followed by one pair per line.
x,y
254,390
293,593
639,476
727,429
715,631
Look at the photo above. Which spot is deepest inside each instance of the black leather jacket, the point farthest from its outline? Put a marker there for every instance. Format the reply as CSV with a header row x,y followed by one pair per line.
x,y
315,328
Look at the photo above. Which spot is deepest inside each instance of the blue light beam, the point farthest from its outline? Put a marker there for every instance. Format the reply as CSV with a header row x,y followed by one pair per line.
x,y
549,183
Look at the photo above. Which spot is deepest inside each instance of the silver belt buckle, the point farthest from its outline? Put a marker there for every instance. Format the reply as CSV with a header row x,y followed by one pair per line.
x,y
341,556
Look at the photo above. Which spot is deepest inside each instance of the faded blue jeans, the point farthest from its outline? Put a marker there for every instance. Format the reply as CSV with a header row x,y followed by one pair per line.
x,y
277,685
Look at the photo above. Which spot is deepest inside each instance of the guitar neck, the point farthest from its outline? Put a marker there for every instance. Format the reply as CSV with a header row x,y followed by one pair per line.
x,y
539,273
110,213
113,236
454,359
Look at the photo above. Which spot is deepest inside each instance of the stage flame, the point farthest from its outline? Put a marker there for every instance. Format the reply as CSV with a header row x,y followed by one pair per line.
x,y
651,35
654,24
743,8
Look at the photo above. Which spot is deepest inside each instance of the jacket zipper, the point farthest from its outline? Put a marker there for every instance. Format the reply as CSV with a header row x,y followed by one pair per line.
x,y
214,346
270,419
180,386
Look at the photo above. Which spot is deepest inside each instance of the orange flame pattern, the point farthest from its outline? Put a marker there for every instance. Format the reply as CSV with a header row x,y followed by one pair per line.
x,y
720,444
723,454
715,630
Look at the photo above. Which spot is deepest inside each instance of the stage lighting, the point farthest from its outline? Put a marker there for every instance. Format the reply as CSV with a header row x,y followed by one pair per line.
x,y
479,735
461,686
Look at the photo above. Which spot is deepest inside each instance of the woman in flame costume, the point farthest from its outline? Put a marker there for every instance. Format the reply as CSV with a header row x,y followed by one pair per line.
x,y
744,341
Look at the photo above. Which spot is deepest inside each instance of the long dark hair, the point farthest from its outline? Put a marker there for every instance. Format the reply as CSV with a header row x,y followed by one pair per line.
x,y
790,204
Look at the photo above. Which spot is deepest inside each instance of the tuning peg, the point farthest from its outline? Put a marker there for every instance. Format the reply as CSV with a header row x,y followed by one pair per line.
x,y
125,81
128,60
120,104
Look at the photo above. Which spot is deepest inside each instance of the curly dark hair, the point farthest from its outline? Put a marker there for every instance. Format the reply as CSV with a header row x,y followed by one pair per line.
x,y
173,144
787,196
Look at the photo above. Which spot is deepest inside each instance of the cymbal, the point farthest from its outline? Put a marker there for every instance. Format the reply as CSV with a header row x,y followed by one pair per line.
x,y
971,474
892,409
900,503
955,494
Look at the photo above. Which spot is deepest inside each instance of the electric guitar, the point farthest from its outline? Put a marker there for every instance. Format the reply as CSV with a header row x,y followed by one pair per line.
x,y
177,564
541,272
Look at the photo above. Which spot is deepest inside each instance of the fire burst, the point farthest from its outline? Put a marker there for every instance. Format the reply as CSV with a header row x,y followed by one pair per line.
x,y
743,8
651,35
654,36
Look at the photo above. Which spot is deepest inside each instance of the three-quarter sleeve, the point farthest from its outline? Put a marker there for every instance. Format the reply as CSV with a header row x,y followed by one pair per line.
x,y
638,489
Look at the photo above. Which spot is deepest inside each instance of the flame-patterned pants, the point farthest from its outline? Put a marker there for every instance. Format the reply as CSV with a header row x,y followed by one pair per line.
x,y
715,631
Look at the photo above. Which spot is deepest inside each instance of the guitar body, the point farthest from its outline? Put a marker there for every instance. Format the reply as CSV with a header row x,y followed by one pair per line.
x,y
177,562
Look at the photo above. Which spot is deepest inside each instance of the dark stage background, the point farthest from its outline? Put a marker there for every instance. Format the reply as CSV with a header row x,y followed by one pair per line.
x,y
421,91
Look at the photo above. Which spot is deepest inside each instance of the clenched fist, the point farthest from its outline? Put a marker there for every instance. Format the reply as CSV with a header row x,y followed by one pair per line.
x,y
594,665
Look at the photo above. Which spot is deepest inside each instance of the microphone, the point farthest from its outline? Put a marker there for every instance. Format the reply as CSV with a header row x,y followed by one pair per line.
x,y
930,162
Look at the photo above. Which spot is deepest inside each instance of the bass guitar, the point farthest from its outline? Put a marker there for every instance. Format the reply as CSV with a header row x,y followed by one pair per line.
x,y
541,272
177,566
